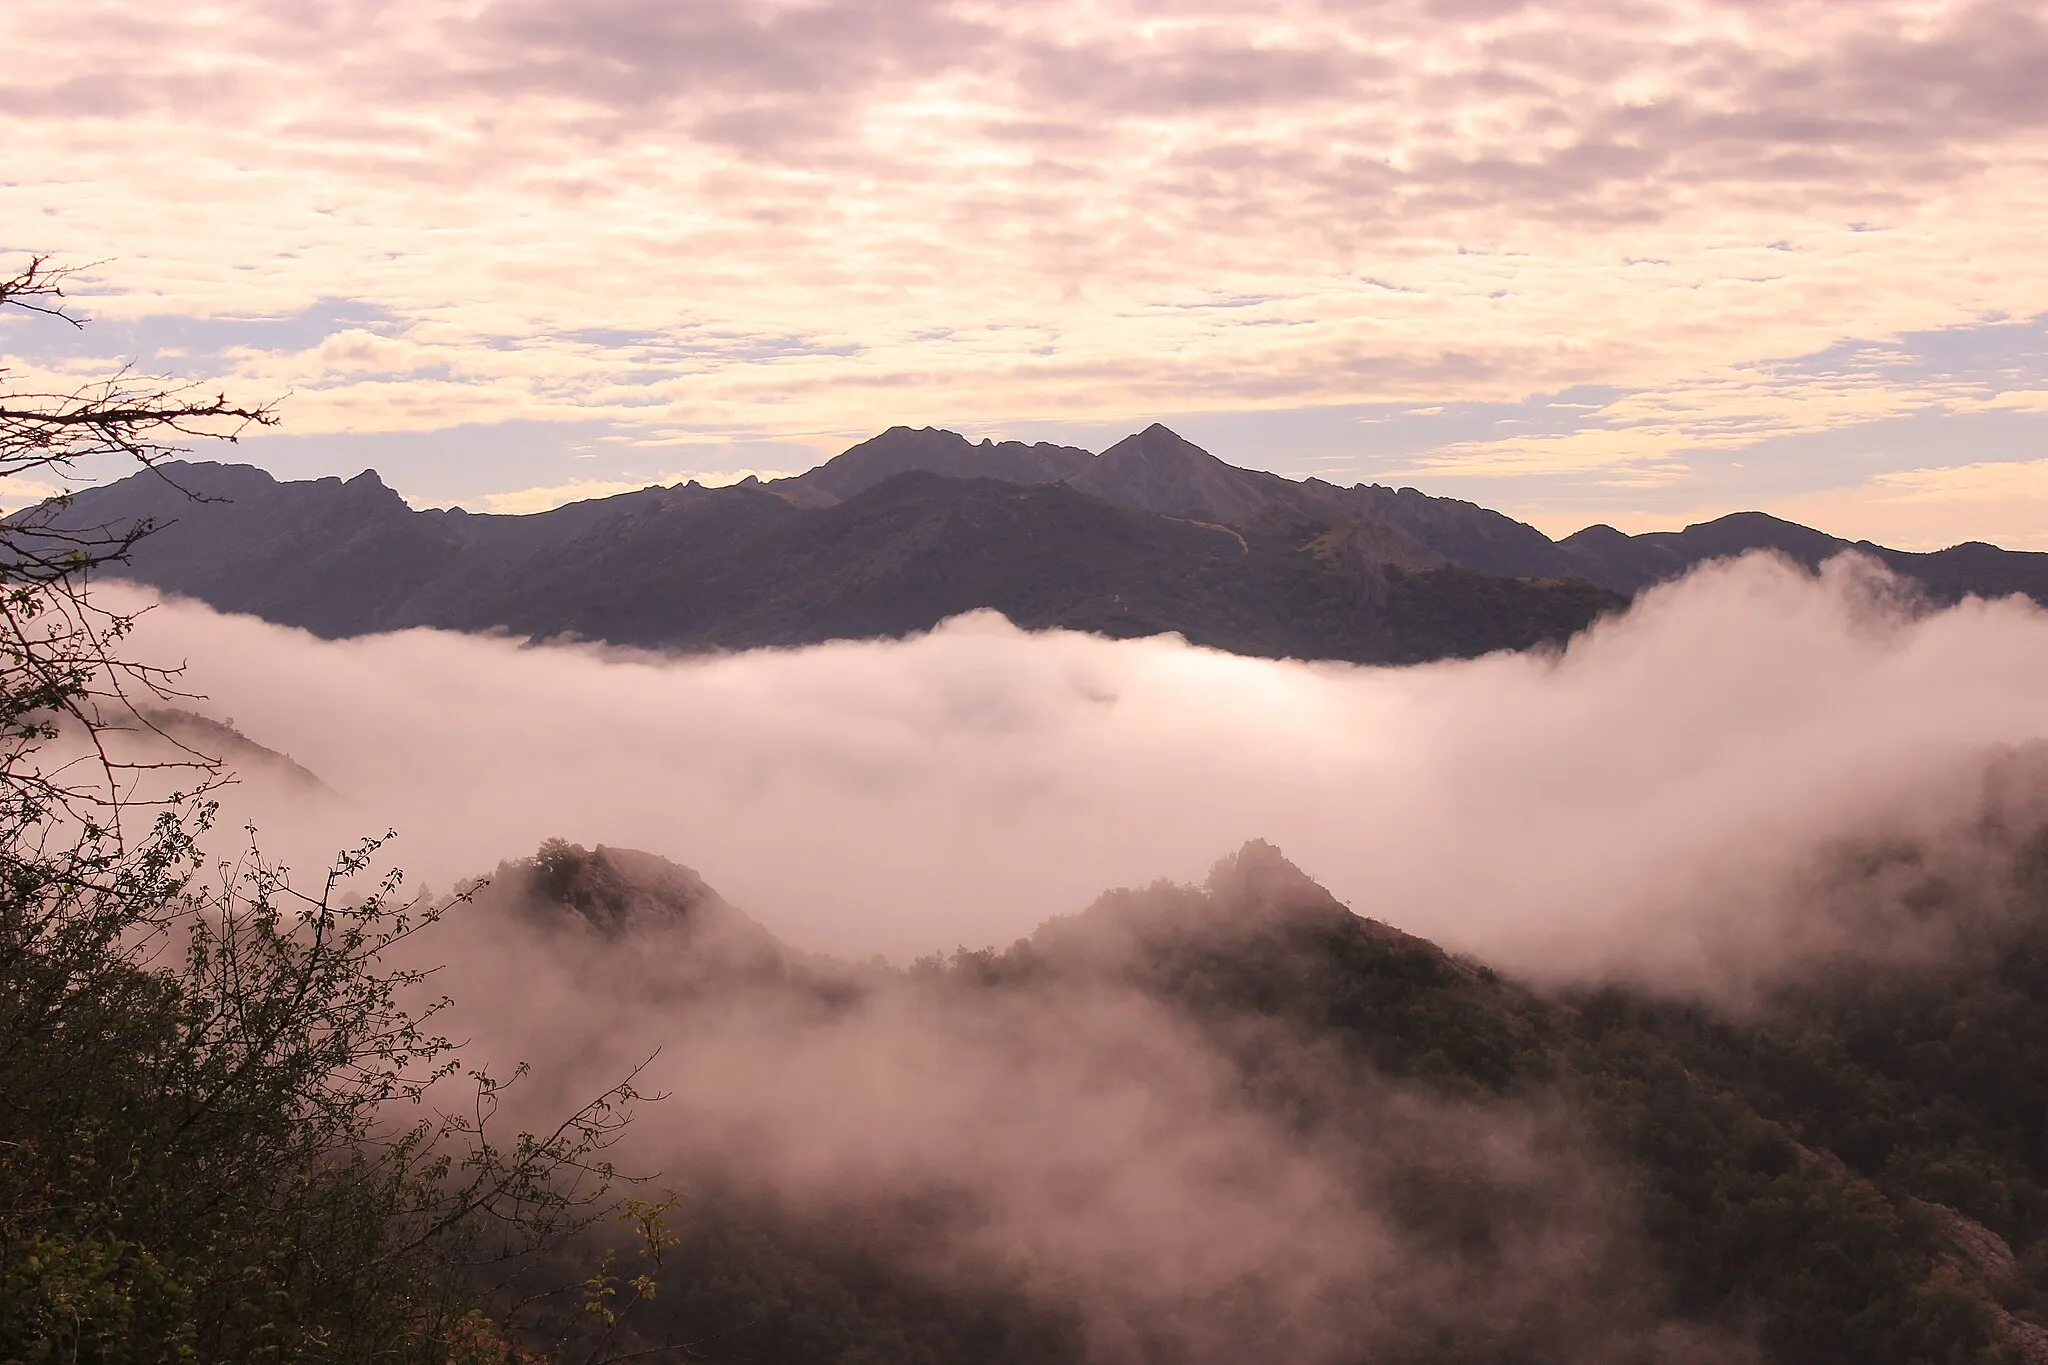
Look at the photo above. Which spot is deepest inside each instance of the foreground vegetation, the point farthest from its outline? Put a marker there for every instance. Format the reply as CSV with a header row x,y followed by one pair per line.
x,y
226,1122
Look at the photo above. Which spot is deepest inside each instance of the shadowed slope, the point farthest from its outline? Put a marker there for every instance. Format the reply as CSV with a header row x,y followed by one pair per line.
x,y
904,450
1856,1174
910,552
740,567
1153,535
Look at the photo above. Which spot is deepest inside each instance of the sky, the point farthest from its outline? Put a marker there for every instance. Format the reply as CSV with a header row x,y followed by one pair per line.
x,y
1636,261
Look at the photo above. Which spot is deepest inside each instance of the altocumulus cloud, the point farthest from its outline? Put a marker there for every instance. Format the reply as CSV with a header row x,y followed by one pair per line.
x,y
1029,183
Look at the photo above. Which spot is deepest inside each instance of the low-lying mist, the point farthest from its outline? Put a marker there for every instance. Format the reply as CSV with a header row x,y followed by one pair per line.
x,y
1184,1181
1653,800
1752,770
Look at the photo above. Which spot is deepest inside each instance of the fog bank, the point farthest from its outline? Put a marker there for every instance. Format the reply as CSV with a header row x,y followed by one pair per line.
x,y
1646,800
1192,1182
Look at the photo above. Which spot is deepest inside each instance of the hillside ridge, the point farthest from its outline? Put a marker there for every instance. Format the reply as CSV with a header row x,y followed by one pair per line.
x,y
913,525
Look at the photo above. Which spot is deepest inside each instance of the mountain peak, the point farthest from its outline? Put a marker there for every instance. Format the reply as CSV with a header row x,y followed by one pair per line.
x,y
934,450
367,488
1260,881
1158,441
612,889
1159,470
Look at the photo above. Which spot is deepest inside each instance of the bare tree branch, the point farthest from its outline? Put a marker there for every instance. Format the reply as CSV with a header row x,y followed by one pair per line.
x,y
61,664
37,286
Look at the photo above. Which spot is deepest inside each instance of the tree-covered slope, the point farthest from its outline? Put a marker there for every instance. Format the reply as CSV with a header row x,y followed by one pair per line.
x,y
1853,1169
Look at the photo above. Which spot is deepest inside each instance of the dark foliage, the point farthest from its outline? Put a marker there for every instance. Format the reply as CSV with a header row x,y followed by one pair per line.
x,y
211,1077
1853,1172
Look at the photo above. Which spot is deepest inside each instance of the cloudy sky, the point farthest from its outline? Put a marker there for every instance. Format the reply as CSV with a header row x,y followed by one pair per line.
x,y
1635,261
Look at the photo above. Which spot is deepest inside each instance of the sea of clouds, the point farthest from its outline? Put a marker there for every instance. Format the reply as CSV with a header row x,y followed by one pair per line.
x,y
1645,800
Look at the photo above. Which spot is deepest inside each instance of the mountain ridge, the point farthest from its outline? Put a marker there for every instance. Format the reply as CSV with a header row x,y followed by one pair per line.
x,y
1153,535
1850,1173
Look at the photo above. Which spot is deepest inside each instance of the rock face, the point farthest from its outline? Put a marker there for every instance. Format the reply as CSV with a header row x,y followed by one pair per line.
x,y
1965,1245
2029,1343
1968,1245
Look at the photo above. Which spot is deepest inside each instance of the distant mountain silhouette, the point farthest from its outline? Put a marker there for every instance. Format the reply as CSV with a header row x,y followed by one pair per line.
x,y
900,450
1627,563
912,526
1157,470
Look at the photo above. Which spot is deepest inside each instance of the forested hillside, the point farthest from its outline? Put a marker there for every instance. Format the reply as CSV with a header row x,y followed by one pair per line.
x,y
1853,1170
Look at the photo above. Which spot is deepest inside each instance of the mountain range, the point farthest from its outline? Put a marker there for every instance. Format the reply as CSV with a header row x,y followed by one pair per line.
x,y
899,532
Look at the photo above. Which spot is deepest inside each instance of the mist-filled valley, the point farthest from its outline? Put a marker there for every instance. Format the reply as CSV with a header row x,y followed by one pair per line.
x,y
1656,800
1676,995
1087,682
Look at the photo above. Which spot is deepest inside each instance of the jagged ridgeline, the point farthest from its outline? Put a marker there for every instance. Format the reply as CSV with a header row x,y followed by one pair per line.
x,y
1240,1122
904,530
